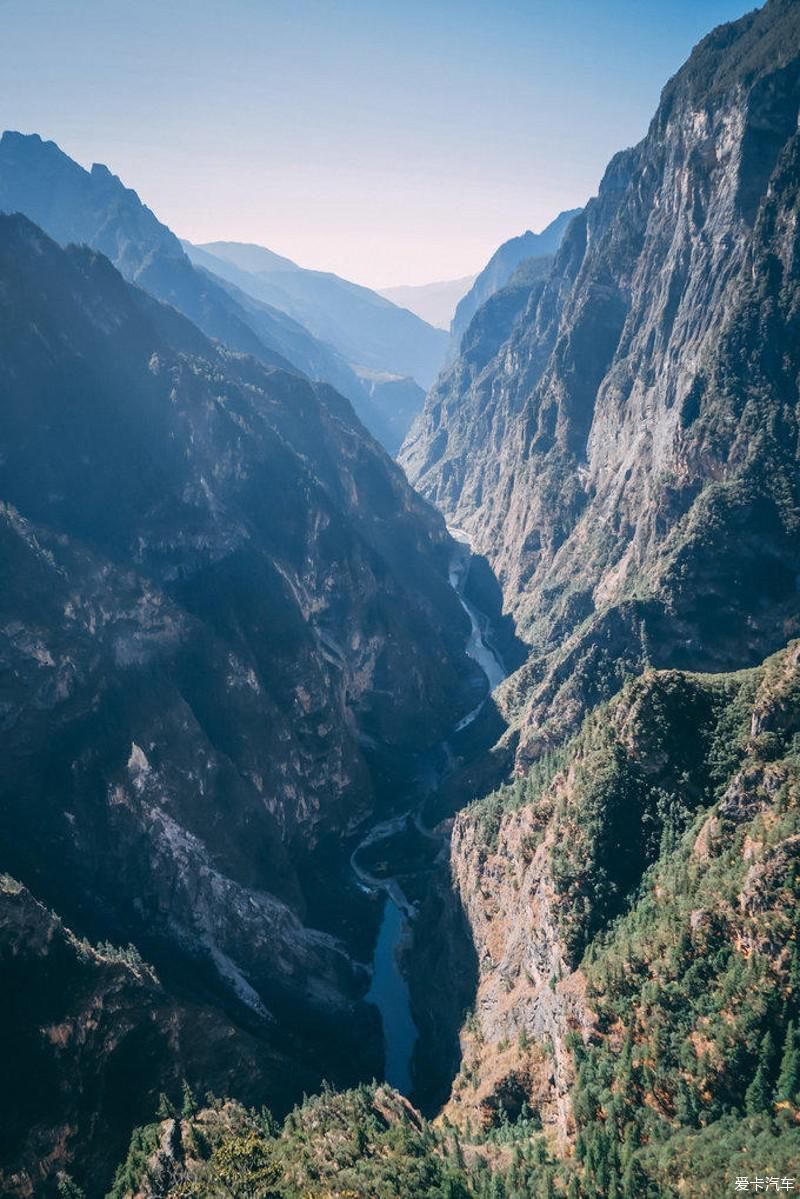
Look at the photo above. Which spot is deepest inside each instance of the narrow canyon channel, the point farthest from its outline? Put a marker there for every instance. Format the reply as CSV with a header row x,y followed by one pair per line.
x,y
389,990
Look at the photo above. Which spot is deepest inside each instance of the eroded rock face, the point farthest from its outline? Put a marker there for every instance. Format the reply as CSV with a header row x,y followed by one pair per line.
x,y
513,1047
626,456
645,881
227,630
89,1036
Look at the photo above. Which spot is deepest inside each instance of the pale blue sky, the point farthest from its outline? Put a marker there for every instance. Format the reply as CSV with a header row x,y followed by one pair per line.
x,y
392,142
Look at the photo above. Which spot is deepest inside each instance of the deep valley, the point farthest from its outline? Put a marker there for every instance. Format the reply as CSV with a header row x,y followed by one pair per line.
x,y
400,773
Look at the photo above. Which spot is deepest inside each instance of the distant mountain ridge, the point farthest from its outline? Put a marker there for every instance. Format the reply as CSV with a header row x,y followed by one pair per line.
x,y
368,330
96,209
434,302
500,268
247,256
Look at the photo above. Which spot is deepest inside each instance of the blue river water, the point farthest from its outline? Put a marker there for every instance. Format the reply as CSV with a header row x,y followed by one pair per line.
x,y
389,988
389,993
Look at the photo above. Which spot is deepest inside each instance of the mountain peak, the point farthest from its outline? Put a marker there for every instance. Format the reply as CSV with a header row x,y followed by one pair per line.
x,y
248,256
501,266
33,144
14,135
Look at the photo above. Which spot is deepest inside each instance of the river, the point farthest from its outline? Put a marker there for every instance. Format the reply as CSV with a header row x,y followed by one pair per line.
x,y
389,987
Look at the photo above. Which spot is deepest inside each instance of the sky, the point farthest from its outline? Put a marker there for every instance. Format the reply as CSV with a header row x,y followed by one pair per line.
x,y
391,141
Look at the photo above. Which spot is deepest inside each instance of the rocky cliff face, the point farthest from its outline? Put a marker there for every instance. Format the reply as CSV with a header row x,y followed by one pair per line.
x,y
632,905
89,1035
620,438
227,629
625,449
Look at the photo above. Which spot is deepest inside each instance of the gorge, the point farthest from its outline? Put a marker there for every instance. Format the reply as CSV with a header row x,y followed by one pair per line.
x,y
389,989
416,829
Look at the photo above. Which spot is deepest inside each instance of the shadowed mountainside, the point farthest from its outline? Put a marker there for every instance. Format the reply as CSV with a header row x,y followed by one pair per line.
x,y
227,632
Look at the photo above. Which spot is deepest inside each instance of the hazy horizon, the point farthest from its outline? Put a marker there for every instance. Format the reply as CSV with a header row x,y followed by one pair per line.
x,y
394,145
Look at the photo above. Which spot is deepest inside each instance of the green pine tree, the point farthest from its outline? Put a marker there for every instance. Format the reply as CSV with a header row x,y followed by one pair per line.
x,y
165,1109
188,1101
758,1096
687,1103
787,1089
67,1189
453,1187
497,1190
634,1181
244,1167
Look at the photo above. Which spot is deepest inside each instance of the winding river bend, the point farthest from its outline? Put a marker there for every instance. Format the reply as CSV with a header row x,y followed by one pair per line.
x,y
389,989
